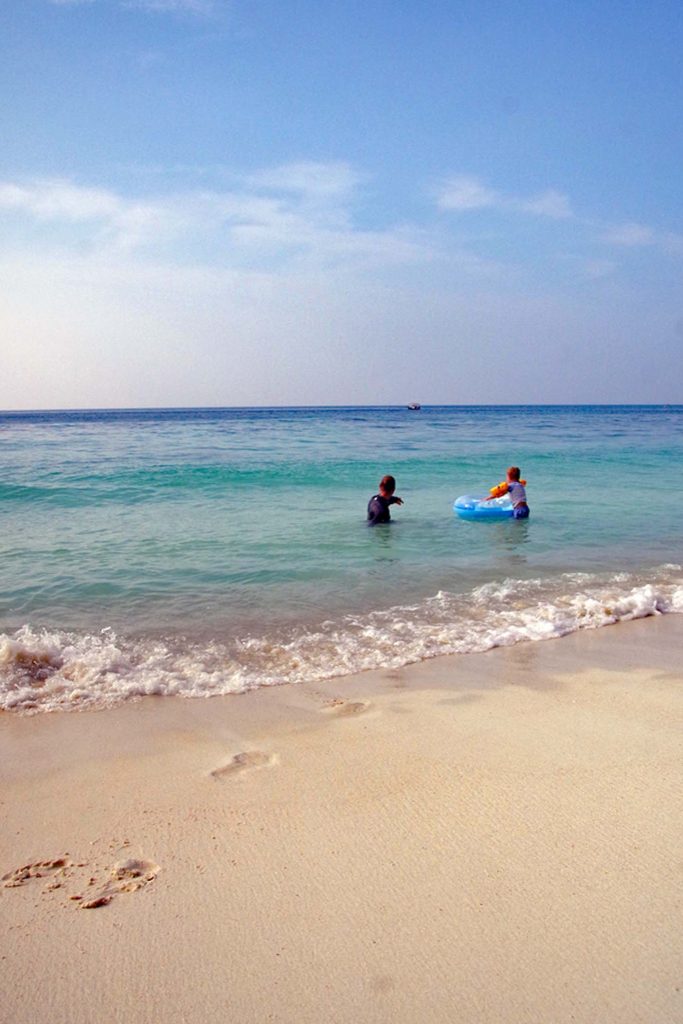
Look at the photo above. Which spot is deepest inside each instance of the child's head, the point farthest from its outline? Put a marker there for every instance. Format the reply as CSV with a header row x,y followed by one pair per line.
x,y
387,486
513,473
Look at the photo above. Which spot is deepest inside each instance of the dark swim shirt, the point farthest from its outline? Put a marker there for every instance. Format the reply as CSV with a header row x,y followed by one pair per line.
x,y
378,509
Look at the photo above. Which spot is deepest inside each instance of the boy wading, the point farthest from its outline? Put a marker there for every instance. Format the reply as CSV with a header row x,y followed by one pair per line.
x,y
378,506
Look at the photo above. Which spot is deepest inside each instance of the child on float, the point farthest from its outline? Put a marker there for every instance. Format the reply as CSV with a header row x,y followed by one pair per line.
x,y
515,488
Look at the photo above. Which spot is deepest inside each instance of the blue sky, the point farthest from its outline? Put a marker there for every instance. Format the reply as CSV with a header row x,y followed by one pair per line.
x,y
228,202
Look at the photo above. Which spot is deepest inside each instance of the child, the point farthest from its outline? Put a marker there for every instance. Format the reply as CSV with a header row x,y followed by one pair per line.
x,y
378,506
515,488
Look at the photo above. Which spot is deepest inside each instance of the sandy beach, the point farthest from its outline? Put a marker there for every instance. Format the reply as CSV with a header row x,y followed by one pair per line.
x,y
483,838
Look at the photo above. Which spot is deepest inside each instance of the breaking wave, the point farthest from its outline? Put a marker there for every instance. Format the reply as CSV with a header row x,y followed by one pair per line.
x,y
47,670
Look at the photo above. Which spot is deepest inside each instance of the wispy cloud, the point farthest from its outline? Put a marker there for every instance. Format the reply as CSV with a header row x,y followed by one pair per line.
x,y
629,235
632,235
201,8
547,204
241,293
463,192
298,212
53,200
114,221
291,218
323,180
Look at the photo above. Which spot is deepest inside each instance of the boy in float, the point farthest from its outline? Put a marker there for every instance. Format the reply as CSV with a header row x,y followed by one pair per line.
x,y
378,506
515,488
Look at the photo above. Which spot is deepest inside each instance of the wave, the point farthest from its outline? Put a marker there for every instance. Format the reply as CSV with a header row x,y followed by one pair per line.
x,y
47,670
156,483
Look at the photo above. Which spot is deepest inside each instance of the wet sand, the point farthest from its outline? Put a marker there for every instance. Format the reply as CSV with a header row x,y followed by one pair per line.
x,y
484,838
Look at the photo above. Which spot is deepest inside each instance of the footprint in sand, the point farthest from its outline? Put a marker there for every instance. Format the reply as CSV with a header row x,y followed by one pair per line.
x,y
126,876
241,762
51,869
346,708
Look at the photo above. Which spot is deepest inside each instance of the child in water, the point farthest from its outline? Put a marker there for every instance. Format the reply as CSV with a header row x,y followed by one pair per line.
x,y
378,506
515,488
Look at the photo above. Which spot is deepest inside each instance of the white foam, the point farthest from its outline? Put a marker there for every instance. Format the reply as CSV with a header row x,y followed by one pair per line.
x,y
43,670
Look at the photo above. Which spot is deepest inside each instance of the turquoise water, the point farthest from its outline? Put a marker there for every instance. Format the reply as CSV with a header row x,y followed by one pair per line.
x,y
204,551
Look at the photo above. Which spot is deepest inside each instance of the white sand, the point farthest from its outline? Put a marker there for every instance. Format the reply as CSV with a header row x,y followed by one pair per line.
x,y
493,838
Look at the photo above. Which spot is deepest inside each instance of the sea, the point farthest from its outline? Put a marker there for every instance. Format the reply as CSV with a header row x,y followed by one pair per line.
x,y
197,552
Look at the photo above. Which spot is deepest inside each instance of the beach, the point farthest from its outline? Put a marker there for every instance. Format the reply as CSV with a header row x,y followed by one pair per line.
x,y
491,837
341,567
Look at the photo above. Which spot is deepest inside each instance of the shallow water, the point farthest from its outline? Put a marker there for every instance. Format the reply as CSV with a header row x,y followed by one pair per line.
x,y
201,551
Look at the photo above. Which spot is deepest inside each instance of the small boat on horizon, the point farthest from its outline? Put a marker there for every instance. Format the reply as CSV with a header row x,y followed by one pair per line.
x,y
414,406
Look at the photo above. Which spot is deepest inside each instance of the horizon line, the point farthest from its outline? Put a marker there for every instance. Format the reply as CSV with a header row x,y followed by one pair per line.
x,y
392,405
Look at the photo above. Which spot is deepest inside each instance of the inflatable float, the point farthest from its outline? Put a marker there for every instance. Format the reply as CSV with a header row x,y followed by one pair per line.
x,y
496,505
469,507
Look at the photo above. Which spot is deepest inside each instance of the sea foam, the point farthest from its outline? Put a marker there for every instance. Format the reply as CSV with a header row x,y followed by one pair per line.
x,y
46,670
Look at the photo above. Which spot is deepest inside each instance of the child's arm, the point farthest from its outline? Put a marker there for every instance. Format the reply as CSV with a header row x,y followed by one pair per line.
x,y
499,489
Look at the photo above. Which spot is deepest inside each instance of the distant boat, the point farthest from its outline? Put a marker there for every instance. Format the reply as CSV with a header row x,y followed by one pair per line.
x,y
414,406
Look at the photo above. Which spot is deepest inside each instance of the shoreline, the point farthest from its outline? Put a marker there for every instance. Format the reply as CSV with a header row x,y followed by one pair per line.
x,y
475,838
46,669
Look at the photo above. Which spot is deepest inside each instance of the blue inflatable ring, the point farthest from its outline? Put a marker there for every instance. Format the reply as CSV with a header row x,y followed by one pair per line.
x,y
468,507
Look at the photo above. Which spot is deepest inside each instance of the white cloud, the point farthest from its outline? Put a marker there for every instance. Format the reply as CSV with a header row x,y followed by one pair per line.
x,y
547,204
637,236
308,178
200,7
197,7
113,221
465,193
297,213
270,291
58,200
630,235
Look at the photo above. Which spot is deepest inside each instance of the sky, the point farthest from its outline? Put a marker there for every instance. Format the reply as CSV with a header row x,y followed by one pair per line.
x,y
331,202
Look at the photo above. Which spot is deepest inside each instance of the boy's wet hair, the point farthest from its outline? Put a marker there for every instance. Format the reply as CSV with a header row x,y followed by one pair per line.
x,y
514,472
387,483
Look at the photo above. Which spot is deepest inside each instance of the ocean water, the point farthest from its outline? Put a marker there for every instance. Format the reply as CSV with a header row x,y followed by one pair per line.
x,y
207,551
